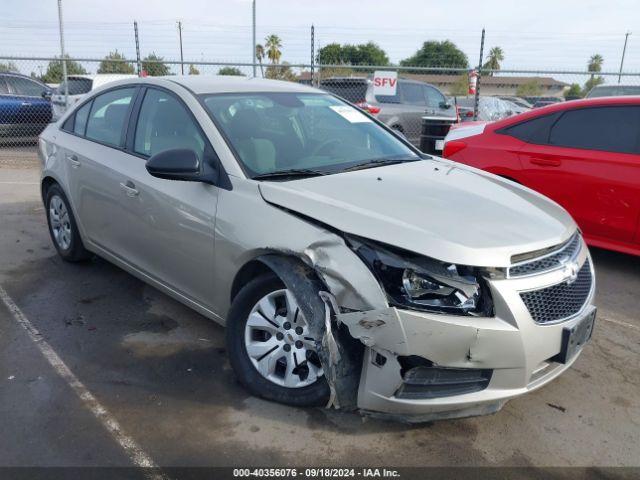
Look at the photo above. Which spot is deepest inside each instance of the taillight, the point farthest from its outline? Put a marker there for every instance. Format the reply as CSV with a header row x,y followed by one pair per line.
x,y
468,113
453,147
372,109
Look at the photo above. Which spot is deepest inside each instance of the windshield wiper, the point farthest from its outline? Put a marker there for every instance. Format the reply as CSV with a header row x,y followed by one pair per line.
x,y
379,163
292,172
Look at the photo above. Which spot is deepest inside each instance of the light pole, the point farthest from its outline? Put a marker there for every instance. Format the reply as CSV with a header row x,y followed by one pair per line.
x,y
624,50
253,31
62,58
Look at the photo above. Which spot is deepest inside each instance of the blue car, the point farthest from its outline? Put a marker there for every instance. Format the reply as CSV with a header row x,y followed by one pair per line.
x,y
25,107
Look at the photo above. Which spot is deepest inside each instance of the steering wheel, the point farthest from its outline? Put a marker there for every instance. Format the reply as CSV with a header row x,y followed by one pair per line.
x,y
324,145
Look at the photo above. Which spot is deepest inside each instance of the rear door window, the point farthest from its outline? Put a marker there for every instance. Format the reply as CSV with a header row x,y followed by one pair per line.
x,y
611,129
412,93
25,87
108,115
532,131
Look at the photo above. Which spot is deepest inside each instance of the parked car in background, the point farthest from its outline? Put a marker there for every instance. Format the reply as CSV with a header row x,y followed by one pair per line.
x,y
489,108
533,99
403,111
346,265
25,107
613,91
521,102
584,154
543,103
78,87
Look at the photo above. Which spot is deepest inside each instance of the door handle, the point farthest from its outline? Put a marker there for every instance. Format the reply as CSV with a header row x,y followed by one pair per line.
x,y
73,160
546,162
130,189
26,104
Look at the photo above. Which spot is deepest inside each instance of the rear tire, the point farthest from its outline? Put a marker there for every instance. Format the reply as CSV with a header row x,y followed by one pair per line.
x,y
274,336
63,227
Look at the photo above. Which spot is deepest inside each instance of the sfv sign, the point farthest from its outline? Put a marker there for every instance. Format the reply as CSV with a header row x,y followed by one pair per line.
x,y
385,83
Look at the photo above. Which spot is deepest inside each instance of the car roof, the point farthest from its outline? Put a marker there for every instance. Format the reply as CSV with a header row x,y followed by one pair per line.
x,y
200,84
568,105
20,75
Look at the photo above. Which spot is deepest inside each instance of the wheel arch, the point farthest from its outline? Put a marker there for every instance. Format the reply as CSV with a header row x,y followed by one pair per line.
x,y
342,367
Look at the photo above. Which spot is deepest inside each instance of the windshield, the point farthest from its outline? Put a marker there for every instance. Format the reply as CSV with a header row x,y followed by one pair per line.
x,y
276,132
77,86
613,91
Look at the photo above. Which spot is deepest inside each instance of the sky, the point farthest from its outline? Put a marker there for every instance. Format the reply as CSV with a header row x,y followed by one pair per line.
x,y
540,35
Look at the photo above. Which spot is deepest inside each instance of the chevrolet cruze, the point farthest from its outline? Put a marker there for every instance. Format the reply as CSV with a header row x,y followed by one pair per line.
x,y
350,269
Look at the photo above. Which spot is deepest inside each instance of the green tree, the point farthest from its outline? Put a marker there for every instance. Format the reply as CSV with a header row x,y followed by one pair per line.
x,y
362,54
594,66
530,88
115,62
154,66
260,53
54,70
595,63
437,54
193,70
273,44
496,55
280,72
8,67
231,71
594,81
461,87
574,91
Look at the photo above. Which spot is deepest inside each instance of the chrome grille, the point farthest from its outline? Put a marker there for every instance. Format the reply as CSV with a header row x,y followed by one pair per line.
x,y
550,261
561,301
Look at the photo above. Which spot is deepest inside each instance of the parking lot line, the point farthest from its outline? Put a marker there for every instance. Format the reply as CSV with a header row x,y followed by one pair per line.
x,y
137,455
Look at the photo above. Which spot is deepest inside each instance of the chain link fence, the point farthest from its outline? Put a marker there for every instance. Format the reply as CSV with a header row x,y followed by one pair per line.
x,y
430,83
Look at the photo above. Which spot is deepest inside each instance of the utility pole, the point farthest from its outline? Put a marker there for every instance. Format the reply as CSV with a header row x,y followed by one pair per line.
x,y
624,50
253,31
63,58
312,51
477,98
181,56
135,31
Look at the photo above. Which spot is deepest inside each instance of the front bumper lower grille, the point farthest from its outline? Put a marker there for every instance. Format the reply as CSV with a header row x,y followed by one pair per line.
x,y
421,383
562,301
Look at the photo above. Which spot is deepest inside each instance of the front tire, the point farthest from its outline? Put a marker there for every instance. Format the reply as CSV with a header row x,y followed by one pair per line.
x,y
269,346
62,226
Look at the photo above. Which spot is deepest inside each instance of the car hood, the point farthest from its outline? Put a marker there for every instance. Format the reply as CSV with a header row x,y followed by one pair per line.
x,y
437,208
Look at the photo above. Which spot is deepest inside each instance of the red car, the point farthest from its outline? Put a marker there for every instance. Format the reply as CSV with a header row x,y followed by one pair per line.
x,y
584,154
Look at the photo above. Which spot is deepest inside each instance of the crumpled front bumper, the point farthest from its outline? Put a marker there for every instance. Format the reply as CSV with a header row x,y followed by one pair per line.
x,y
518,350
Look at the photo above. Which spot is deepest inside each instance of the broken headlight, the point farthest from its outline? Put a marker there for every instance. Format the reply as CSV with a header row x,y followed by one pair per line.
x,y
422,283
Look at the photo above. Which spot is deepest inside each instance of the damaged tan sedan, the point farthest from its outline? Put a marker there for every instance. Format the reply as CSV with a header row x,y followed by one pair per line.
x,y
350,269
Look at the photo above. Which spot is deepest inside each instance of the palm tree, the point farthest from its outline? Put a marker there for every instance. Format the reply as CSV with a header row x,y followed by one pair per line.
x,y
496,55
595,63
260,56
273,45
594,66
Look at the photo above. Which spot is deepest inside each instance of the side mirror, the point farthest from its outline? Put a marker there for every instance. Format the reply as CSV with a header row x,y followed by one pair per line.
x,y
47,94
445,105
175,164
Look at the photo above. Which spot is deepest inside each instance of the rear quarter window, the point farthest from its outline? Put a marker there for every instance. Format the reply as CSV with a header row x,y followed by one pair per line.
x,y
535,130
